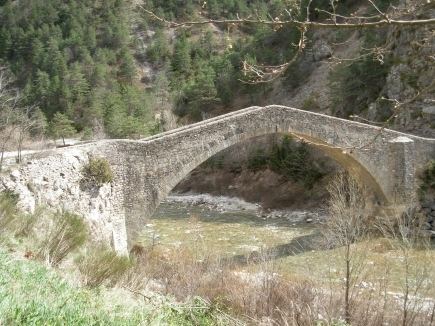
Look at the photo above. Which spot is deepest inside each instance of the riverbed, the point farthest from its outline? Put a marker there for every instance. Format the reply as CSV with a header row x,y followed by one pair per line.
x,y
226,226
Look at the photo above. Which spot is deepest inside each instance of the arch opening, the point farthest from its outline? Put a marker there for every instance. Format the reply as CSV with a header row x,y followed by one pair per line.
x,y
343,158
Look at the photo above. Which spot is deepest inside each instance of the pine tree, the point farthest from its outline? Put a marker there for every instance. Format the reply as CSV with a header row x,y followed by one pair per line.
x,y
181,60
127,69
61,126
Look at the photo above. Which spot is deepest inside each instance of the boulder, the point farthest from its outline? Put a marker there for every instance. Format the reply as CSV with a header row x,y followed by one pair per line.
x,y
429,113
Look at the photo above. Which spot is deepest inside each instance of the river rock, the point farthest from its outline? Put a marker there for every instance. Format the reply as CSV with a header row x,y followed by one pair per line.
x,y
426,204
428,112
15,175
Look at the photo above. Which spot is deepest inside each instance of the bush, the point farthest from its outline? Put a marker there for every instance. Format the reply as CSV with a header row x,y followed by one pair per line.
x,y
101,265
66,233
97,172
8,209
293,162
429,175
311,103
257,160
427,180
353,87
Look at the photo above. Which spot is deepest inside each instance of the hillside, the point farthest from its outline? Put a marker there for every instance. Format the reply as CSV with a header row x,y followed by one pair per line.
x,y
114,71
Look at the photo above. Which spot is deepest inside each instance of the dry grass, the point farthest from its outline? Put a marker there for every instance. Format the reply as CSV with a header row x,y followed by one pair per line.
x,y
66,233
259,295
8,210
257,292
100,265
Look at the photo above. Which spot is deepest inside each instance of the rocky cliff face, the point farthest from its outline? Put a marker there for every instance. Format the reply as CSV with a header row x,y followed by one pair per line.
x,y
405,101
411,79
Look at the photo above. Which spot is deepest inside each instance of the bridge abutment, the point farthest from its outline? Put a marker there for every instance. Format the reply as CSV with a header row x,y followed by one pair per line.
x,y
402,165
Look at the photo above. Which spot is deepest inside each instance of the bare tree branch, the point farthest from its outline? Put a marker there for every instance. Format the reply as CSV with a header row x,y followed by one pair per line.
x,y
293,22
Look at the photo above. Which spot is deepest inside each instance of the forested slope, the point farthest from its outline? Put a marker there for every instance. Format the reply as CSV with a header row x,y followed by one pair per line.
x,y
114,71
75,57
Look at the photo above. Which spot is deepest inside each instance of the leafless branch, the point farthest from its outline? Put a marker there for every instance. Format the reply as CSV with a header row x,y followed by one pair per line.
x,y
293,22
256,74
379,11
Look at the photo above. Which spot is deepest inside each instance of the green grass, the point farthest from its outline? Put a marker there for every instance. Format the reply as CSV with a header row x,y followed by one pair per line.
x,y
32,294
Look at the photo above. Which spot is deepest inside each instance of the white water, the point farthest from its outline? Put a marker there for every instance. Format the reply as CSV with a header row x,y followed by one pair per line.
x,y
226,204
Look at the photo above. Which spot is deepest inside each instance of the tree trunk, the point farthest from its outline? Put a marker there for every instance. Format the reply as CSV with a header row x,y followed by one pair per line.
x,y
347,289
406,292
20,146
1,158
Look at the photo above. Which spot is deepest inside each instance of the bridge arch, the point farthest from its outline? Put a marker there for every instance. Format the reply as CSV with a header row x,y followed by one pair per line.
x,y
157,164
343,158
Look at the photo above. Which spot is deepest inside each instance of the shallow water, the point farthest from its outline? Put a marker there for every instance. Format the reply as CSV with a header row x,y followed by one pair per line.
x,y
223,225
234,229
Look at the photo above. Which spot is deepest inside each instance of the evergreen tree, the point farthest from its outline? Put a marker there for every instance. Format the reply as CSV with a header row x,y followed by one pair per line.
x,y
61,126
181,60
159,51
127,69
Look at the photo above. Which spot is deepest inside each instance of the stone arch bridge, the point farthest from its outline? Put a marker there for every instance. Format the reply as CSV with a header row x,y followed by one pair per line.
x,y
145,171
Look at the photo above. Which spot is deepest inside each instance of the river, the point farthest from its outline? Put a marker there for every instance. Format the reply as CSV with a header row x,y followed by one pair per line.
x,y
227,226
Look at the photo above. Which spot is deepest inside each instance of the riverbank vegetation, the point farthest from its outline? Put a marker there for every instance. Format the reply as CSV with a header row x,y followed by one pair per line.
x,y
289,159
51,273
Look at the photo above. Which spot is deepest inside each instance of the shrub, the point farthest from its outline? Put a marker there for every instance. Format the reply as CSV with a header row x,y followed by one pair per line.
x,y
293,162
429,175
66,233
427,186
310,103
289,159
25,223
257,160
8,209
97,172
354,86
101,265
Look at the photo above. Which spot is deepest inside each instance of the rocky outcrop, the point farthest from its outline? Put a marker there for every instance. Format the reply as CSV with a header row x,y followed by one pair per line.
x,y
54,180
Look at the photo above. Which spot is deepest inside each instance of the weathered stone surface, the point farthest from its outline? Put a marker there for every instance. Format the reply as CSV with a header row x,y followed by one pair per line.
x,y
145,171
